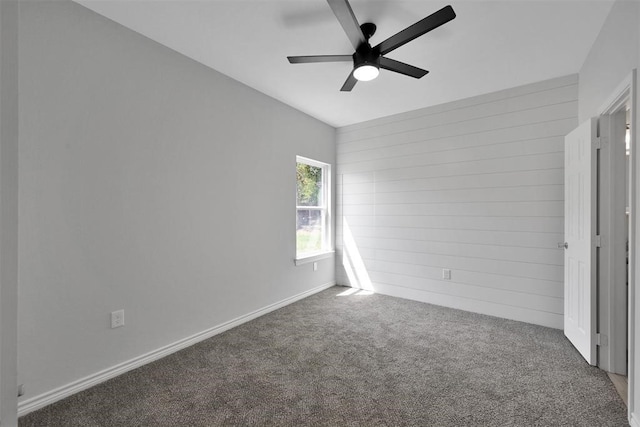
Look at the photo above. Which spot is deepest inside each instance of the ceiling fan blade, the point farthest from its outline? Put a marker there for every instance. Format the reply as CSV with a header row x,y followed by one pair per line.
x,y
319,58
344,13
421,27
349,83
402,68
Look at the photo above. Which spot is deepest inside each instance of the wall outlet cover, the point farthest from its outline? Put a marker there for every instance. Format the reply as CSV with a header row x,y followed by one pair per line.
x,y
117,319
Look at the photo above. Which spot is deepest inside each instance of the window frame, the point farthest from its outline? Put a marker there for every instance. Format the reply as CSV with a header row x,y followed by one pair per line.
x,y
327,242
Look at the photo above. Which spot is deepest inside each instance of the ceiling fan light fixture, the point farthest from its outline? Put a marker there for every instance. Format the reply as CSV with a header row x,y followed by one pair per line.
x,y
368,60
366,72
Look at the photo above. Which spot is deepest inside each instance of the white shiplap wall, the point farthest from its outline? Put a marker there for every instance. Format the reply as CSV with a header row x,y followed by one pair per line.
x,y
474,186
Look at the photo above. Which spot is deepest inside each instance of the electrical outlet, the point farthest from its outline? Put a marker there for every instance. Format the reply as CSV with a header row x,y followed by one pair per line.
x,y
446,274
315,266
117,319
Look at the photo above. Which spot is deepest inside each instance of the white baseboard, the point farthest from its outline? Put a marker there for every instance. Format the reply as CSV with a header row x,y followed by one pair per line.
x,y
550,320
634,421
67,390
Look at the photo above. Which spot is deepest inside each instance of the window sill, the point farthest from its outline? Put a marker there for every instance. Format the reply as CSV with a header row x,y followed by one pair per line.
x,y
313,258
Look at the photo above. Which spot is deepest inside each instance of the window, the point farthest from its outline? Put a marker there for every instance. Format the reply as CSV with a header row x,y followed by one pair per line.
x,y
313,196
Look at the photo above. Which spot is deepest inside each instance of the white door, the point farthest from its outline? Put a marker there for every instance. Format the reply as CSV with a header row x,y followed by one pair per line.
x,y
580,230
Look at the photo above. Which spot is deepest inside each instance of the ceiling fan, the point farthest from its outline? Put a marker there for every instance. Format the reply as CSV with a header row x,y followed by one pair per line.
x,y
368,60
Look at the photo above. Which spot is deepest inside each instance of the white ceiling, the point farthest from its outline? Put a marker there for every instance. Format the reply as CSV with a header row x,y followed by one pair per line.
x,y
491,45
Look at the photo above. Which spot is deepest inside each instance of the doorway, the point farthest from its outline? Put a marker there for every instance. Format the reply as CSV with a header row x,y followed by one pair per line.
x,y
600,227
617,216
613,224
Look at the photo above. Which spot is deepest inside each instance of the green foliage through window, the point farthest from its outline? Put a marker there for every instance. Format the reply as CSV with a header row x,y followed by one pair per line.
x,y
309,182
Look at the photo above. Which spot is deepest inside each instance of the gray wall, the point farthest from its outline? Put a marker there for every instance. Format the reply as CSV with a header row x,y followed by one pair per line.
x,y
9,13
149,183
475,186
611,58
635,339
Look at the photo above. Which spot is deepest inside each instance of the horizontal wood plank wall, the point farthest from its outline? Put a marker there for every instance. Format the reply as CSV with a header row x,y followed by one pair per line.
x,y
474,186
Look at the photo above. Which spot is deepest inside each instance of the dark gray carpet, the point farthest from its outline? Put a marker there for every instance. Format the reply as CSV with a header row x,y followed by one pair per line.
x,y
357,361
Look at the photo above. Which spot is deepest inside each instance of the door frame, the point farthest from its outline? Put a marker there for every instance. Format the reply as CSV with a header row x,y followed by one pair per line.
x,y
612,266
611,318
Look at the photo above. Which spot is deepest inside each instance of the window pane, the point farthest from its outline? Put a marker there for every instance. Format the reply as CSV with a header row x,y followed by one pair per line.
x,y
309,231
309,185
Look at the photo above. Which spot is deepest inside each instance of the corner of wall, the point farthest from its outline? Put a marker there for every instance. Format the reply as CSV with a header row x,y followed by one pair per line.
x,y
9,28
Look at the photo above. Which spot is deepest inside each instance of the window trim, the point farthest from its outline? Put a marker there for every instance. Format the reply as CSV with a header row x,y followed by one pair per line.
x,y
327,251
312,258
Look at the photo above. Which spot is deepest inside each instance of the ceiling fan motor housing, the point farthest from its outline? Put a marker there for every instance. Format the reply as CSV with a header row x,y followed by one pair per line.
x,y
365,55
